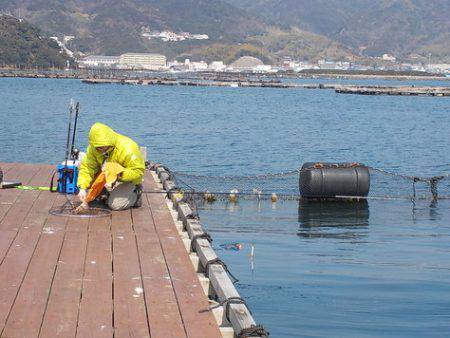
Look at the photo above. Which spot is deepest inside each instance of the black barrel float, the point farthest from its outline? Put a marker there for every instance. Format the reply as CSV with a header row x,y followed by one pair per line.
x,y
331,180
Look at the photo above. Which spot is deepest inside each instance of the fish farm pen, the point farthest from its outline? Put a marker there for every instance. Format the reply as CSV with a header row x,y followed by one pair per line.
x,y
246,83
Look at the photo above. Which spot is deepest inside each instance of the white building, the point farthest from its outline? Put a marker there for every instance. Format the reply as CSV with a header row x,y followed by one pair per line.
x,y
169,36
99,61
217,66
388,57
142,61
443,68
333,65
68,38
299,66
264,69
200,36
197,66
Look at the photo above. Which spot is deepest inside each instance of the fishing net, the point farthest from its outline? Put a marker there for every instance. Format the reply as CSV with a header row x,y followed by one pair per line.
x,y
68,210
285,186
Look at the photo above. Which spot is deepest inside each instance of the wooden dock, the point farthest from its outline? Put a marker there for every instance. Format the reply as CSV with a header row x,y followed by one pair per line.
x,y
127,275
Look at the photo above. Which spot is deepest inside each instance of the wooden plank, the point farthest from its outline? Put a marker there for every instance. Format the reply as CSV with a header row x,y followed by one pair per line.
x,y
16,215
163,314
6,166
10,169
4,208
96,307
20,172
130,314
26,314
26,174
190,296
61,315
15,264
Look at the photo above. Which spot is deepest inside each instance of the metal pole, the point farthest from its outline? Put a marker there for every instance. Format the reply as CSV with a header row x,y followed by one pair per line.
x,y
71,106
77,110
64,175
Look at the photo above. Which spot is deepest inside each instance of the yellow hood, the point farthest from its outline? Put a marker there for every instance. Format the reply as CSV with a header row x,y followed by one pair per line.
x,y
101,135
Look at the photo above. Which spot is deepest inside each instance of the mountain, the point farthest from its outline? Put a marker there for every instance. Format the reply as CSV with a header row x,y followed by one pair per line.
x,y
270,29
399,27
24,45
115,26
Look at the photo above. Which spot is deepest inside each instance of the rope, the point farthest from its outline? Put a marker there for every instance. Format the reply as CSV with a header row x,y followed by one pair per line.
x,y
232,177
253,331
168,192
293,197
228,302
204,235
189,199
194,215
218,261
317,165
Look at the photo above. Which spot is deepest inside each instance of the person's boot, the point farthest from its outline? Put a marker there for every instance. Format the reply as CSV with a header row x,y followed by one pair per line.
x,y
138,190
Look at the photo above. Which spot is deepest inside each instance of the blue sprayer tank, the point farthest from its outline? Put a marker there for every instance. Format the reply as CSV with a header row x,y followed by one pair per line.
x,y
67,177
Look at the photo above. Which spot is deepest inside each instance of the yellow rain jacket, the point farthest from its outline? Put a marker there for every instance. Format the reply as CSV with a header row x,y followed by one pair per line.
x,y
125,152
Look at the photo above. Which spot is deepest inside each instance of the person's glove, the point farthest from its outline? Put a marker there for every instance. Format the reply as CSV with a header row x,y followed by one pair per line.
x,y
82,196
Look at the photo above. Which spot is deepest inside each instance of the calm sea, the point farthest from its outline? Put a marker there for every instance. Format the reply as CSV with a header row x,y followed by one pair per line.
x,y
379,269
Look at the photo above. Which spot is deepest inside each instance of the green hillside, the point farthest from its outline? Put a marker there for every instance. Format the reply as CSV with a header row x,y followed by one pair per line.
x,y
115,26
22,45
399,27
336,29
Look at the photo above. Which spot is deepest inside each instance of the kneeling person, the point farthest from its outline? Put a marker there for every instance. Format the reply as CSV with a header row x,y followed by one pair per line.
x,y
107,146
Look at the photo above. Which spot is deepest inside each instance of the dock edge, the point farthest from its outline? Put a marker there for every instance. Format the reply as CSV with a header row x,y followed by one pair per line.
x,y
230,310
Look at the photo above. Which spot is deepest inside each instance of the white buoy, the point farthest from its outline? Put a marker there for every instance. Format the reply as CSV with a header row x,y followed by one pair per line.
x,y
209,197
233,195
274,198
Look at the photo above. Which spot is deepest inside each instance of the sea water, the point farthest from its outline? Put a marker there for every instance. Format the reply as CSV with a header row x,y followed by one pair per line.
x,y
382,269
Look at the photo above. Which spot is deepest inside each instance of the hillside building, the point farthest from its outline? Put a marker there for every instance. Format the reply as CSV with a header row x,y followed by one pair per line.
x,y
388,57
99,61
217,66
443,68
197,66
142,61
333,65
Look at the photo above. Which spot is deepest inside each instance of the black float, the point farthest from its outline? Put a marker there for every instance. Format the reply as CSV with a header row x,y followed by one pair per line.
x,y
334,180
